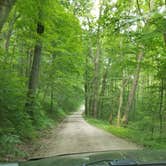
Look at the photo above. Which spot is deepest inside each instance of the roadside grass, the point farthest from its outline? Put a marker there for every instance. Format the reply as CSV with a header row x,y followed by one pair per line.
x,y
139,137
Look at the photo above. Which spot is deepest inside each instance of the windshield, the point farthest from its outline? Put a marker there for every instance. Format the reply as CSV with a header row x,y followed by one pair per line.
x,y
82,77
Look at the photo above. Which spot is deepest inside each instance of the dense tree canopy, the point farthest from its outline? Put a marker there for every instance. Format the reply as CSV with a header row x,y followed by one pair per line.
x,y
40,67
125,78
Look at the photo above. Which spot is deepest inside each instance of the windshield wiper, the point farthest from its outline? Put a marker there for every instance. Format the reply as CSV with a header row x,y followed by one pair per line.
x,y
124,162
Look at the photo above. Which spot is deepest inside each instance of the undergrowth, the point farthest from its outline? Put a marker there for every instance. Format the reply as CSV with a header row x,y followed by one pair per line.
x,y
13,140
137,136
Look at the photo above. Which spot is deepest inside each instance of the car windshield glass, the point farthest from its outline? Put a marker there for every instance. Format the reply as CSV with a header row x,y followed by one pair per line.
x,y
82,78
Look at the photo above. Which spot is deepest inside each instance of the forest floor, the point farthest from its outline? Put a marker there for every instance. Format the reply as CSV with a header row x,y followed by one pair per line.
x,y
75,135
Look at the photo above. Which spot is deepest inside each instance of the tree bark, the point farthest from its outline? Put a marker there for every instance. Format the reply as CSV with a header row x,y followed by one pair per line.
x,y
96,82
34,74
52,99
5,8
10,30
164,35
161,106
124,83
29,56
87,82
103,88
133,89
86,88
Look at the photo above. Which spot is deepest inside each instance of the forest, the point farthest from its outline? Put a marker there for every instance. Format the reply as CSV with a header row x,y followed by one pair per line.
x,y
56,55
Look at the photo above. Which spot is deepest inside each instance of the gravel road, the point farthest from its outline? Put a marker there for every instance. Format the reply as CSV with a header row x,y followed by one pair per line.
x,y
75,135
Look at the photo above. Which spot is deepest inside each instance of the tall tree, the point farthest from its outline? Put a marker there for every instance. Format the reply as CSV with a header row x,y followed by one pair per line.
x,y
5,8
34,74
133,88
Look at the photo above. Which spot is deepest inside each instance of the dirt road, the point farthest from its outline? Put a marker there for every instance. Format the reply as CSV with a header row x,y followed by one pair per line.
x,y
75,135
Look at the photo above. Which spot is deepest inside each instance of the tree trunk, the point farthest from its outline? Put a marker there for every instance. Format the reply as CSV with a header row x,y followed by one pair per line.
x,y
29,56
110,118
103,87
164,35
86,94
133,89
9,33
52,100
44,93
34,74
124,83
90,102
5,8
87,82
96,82
161,106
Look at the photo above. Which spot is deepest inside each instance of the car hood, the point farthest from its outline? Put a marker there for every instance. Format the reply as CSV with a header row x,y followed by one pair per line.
x,y
140,156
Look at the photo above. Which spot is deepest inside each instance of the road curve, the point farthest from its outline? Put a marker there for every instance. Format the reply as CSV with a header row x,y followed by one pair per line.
x,y
75,135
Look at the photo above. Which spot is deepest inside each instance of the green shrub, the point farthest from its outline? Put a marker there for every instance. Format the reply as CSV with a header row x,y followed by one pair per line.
x,y
9,146
138,136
